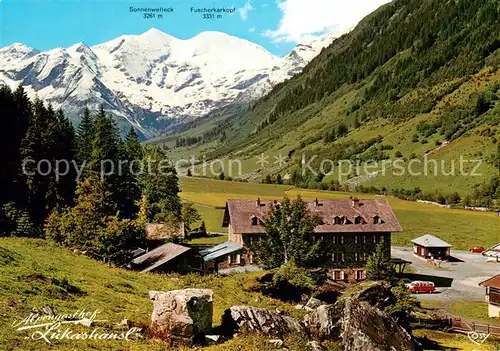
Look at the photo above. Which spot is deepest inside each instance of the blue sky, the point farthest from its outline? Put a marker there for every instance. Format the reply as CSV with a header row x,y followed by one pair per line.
x,y
278,25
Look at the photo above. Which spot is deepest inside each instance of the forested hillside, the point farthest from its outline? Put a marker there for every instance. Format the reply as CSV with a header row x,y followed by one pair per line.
x,y
414,78
87,189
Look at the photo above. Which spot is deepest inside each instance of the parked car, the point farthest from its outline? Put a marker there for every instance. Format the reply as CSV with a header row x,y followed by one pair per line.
x,y
477,249
418,287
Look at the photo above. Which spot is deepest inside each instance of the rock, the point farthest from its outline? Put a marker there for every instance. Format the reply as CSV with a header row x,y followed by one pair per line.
x,y
313,303
315,346
376,294
125,322
322,322
48,310
257,299
213,339
85,321
276,342
259,320
183,314
367,328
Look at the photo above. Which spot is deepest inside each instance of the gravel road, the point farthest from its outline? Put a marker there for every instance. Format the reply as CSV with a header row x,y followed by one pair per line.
x,y
465,275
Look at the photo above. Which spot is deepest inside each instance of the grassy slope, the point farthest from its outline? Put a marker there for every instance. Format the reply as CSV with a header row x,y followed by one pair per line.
x,y
310,123
28,265
461,228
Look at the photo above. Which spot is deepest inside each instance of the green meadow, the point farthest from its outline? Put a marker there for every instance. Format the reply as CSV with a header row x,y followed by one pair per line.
x,y
36,273
461,228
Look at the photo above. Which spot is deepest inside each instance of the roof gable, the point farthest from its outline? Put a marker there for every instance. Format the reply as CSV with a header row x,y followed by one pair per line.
x,y
429,240
493,282
238,213
159,256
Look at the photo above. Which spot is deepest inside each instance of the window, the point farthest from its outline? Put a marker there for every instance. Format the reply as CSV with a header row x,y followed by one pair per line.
x,y
360,275
364,256
357,220
376,220
337,275
229,259
356,256
356,239
375,239
338,257
238,259
255,220
337,220
338,239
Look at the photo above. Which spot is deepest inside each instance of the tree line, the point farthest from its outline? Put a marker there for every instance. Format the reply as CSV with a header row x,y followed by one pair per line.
x,y
97,207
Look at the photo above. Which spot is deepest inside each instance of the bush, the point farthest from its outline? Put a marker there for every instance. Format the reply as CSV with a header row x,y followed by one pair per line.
x,y
290,282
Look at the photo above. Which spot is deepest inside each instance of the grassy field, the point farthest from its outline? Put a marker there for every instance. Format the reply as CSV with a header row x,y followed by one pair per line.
x,y
34,273
461,228
473,311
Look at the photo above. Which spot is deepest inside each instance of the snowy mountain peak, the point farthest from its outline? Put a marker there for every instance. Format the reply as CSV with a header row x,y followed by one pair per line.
x,y
17,51
147,80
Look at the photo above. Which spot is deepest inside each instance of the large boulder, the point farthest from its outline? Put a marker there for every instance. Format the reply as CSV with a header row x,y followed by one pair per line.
x,y
259,320
377,294
323,322
182,314
367,328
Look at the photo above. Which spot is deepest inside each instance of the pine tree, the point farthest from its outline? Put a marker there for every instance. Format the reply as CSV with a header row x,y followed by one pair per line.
x,y
379,265
203,228
40,143
85,136
65,150
129,189
106,152
159,184
190,215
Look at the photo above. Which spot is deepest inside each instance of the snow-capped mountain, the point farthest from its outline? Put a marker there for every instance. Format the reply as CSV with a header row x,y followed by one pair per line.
x,y
153,79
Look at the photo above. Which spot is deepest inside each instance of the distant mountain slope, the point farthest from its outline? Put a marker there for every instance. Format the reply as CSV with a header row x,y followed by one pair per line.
x,y
423,74
153,79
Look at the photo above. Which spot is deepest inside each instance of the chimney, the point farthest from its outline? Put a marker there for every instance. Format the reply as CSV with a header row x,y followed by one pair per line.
x,y
355,202
258,202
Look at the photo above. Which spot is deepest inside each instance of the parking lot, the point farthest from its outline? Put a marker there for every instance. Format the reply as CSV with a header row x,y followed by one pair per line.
x,y
456,281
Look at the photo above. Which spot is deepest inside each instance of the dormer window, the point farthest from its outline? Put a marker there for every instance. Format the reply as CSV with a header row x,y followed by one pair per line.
x,y
358,220
255,220
337,220
376,220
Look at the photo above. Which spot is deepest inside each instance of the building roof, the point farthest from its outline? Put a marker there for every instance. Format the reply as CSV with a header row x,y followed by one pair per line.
x,y
493,282
492,251
220,251
137,252
239,214
159,256
429,240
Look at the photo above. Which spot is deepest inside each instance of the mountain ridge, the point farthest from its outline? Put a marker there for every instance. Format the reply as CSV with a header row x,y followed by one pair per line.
x,y
151,80
403,84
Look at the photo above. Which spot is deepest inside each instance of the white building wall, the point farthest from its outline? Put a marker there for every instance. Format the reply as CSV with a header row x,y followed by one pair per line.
x,y
493,311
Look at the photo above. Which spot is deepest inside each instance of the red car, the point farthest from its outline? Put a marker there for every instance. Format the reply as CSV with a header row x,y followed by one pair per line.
x,y
477,249
418,287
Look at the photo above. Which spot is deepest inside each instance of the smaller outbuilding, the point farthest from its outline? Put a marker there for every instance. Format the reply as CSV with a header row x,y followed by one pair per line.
x,y
492,286
168,257
223,256
429,246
